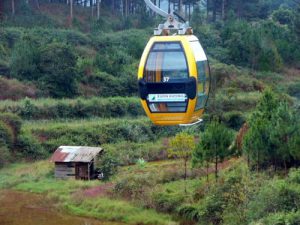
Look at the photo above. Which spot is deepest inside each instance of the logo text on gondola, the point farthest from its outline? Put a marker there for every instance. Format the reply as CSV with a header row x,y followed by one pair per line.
x,y
167,97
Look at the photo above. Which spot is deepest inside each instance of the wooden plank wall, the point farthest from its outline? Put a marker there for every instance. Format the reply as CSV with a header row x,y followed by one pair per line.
x,y
64,171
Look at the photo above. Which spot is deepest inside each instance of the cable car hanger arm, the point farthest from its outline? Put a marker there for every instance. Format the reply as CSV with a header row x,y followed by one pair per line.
x,y
156,9
171,23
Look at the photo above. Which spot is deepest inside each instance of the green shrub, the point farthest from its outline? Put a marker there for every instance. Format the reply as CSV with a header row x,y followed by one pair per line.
x,y
136,187
128,153
13,121
6,135
294,89
57,69
277,196
125,40
28,147
108,165
5,155
74,108
294,176
290,218
25,60
234,119
97,132
167,202
15,90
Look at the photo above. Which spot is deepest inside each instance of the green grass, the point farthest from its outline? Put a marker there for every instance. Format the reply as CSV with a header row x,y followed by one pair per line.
x,y
48,108
95,132
32,125
38,178
117,210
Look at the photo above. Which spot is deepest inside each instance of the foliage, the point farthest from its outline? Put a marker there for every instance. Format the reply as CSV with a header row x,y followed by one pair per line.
x,y
74,108
234,119
5,155
25,60
127,153
108,165
6,135
213,145
96,132
28,147
294,89
13,89
57,67
181,146
12,121
136,187
167,202
273,127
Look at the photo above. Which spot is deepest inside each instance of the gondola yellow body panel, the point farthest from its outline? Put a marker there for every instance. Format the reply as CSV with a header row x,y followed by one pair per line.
x,y
174,79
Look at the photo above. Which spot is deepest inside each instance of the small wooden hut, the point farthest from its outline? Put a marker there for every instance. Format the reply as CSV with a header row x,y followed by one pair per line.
x,y
76,162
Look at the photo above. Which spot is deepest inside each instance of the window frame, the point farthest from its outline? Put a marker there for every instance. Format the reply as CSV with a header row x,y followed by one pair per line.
x,y
187,68
166,50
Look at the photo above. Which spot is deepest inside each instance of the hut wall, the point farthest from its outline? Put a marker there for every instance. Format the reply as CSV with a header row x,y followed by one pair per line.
x,y
64,170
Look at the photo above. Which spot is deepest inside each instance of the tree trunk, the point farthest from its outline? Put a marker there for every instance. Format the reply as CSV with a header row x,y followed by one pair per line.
x,y
13,7
185,172
215,11
216,168
92,9
126,8
98,9
239,9
207,177
223,9
189,11
71,10
113,6
1,8
285,167
37,3
180,7
216,163
257,166
207,10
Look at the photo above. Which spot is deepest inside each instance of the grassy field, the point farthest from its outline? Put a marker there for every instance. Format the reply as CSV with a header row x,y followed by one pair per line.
x,y
38,178
47,108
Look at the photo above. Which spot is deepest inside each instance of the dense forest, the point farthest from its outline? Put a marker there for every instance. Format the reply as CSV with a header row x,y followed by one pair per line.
x,y
68,77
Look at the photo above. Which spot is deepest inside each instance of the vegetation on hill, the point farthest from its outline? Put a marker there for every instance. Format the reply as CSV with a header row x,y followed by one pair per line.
x,y
71,80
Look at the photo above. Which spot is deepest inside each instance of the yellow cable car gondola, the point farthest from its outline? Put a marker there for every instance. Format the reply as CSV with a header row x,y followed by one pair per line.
x,y
174,77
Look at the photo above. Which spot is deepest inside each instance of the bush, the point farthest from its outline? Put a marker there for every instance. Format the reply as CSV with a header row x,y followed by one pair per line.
x,y
294,89
97,132
15,90
25,60
234,119
6,135
13,121
28,147
108,165
127,153
277,196
4,156
290,218
136,187
57,69
74,108
167,202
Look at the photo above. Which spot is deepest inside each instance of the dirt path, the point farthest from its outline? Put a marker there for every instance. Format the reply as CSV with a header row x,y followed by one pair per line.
x,y
33,209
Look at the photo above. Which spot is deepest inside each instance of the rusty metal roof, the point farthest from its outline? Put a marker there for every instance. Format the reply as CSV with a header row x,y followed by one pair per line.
x,y
75,154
